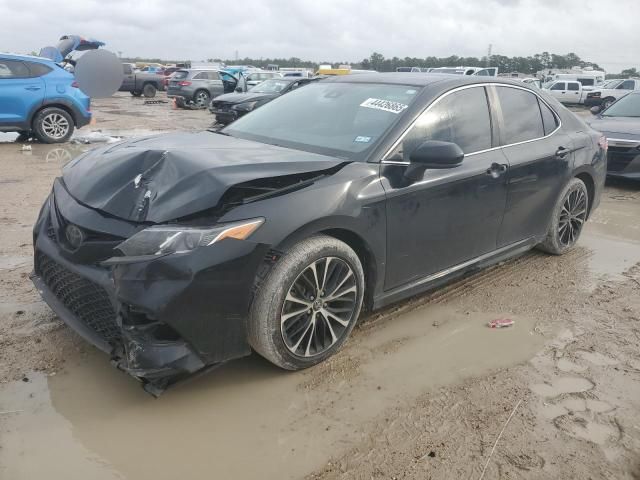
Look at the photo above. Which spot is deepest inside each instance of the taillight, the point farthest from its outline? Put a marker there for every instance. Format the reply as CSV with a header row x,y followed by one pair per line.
x,y
603,143
75,85
184,84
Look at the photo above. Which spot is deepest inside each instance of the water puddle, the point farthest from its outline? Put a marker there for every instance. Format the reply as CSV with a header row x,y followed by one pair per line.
x,y
248,419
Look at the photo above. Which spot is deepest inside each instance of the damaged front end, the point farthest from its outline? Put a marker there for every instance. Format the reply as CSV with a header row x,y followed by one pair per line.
x,y
136,250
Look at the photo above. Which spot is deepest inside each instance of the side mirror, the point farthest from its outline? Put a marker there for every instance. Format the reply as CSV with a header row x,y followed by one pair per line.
x,y
595,110
433,154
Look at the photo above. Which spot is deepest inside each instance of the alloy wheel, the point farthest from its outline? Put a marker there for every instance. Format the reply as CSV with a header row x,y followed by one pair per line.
x,y
202,99
319,307
55,126
572,217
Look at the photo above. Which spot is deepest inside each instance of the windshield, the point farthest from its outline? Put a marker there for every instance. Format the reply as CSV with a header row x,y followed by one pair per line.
x,y
627,106
270,86
610,84
341,119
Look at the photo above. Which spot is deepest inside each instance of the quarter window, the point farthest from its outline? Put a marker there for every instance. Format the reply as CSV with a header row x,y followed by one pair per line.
x,y
38,69
461,117
521,115
549,120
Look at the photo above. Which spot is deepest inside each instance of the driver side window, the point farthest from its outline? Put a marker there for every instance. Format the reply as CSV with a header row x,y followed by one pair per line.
x,y
461,118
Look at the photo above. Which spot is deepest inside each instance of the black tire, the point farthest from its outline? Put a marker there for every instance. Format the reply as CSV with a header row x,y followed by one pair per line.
x,y
23,136
567,219
201,98
323,336
136,93
606,103
53,125
149,90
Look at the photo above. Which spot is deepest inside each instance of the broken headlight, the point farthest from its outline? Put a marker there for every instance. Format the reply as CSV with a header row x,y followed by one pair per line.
x,y
245,106
164,240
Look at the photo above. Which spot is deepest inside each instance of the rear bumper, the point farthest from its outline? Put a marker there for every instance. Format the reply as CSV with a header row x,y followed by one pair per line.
x,y
161,320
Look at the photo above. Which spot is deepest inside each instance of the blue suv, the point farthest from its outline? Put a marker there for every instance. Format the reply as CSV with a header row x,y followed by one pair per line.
x,y
39,98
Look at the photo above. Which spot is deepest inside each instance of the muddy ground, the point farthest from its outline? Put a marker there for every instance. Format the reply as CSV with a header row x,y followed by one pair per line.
x,y
422,390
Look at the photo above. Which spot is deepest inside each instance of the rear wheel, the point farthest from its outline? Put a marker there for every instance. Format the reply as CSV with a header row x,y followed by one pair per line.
x,y
149,90
201,98
568,218
308,305
53,125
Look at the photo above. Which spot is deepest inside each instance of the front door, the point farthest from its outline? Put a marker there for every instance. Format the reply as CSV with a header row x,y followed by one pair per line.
x,y
20,93
450,215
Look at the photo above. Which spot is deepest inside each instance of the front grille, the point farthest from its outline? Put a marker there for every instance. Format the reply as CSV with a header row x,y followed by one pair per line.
x,y
619,158
87,301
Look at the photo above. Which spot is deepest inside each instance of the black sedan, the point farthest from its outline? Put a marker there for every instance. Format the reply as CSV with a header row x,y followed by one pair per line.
x,y
180,252
230,106
620,123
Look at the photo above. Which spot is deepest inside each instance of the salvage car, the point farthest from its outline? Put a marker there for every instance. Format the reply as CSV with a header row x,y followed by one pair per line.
x,y
139,82
199,85
620,123
38,98
179,252
230,106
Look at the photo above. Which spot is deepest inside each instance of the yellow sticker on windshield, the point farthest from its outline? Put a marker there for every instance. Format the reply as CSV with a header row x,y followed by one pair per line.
x,y
384,105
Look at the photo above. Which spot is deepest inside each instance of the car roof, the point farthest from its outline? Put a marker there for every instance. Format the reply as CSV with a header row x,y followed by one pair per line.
x,y
17,56
420,79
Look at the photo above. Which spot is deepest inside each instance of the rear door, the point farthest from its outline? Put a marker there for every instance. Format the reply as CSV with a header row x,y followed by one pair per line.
x,y
450,215
20,92
214,83
574,92
539,155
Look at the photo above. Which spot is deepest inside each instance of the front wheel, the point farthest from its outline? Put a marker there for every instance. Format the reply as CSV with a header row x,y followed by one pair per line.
x,y
567,219
308,304
607,102
53,125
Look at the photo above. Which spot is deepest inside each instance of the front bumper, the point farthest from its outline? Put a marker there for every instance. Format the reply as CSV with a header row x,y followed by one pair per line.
x,y
592,101
623,158
225,116
160,320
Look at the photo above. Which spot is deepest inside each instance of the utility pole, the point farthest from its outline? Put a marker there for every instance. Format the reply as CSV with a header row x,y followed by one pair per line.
x,y
489,55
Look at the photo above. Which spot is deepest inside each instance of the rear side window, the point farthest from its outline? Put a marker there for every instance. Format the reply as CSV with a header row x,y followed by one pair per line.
x,y
627,85
558,86
521,115
213,76
13,69
38,69
461,117
573,86
549,120
201,76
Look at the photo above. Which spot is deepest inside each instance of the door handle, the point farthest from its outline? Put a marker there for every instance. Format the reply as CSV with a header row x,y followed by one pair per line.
x,y
33,88
497,169
562,152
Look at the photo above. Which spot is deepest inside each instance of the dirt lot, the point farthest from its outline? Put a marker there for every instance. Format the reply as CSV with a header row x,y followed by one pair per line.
x,y
422,390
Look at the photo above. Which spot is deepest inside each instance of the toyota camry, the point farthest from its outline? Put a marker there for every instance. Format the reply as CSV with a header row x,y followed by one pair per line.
x,y
179,252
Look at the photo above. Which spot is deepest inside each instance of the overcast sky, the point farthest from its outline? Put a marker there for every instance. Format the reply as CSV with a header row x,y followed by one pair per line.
x,y
603,31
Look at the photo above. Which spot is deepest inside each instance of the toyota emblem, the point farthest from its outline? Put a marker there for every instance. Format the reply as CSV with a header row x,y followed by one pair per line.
x,y
74,235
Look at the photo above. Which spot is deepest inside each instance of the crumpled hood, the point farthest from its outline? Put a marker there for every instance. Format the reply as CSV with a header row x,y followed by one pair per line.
x,y
627,127
243,97
162,178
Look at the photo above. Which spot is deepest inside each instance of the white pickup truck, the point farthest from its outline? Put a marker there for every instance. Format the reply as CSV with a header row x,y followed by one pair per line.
x,y
611,91
567,91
